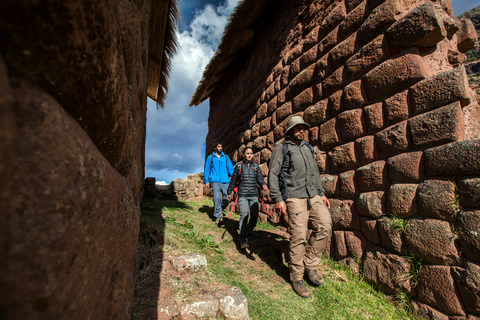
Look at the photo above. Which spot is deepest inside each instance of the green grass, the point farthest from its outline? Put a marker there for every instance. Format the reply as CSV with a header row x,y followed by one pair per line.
x,y
187,227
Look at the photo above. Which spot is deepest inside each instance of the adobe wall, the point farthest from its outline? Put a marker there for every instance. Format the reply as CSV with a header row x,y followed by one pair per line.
x,y
72,137
396,128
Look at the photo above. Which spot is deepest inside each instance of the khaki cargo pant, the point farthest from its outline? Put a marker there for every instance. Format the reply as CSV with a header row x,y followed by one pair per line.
x,y
300,219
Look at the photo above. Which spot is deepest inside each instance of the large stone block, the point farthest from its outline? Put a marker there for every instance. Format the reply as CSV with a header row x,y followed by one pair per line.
x,y
432,241
344,215
301,81
371,204
468,228
436,127
436,199
340,248
261,112
259,143
424,311
422,27
271,106
283,112
354,96
372,177
265,126
369,56
458,158
387,271
454,87
323,68
330,185
337,80
348,188
352,124
60,253
356,243
401,200
392,140
394,75
343,158
467,36
343,51
328,136
396,108
354,19
468,284
406,167
436,287
316,114
379,20
337,14
369,229
366,149
374,117
303,100
308,58
390,236
469,191
335,103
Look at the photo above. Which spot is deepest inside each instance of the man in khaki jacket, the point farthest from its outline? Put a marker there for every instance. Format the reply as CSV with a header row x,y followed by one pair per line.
x,y
303,198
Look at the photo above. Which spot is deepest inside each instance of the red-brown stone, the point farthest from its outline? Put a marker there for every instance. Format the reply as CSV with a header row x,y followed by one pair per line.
x,y
427,96
335,103
394,75
468,228
436,127
356,243
469,191
436,199
392,140
340,248
328,136
432,241
351,124
343,158
303,100
335,81
371,204
347,185
374,117
366,149
437,288
330,185
354,96
369,229
406,167
316,114
396,108
458,158
372,177
369,56
344,216
401,200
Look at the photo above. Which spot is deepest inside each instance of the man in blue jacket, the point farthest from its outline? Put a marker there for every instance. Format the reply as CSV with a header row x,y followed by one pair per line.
x,y
217,169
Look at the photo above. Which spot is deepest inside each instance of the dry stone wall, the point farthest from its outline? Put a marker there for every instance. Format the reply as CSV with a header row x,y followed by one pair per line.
x,y
396,129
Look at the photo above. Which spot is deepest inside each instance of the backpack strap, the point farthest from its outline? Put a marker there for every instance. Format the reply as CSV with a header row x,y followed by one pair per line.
x,y
289,153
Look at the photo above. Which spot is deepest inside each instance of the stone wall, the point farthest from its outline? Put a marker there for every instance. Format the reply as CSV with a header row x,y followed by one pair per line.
x,y
396,129
72,136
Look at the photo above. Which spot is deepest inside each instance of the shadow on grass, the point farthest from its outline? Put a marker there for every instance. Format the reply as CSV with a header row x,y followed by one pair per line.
x,y
150,253
270,247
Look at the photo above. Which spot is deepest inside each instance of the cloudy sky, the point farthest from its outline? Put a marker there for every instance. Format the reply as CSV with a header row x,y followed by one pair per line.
x,y
176,135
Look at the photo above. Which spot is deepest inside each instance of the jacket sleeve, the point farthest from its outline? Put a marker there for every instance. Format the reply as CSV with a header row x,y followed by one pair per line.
x,y
233,180
318,180
229,166
260,180
276,161
206,172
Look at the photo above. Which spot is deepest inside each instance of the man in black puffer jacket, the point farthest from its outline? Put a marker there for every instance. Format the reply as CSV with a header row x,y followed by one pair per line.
x,y
247,175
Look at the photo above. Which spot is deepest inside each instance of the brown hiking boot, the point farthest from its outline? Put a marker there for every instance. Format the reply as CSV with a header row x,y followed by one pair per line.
x,y
314,277
300,289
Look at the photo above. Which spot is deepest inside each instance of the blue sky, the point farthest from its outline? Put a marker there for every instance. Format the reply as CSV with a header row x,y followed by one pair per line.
x,y
175,145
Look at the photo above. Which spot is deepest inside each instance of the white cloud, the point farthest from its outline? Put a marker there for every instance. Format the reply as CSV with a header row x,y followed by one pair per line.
x,y
176,135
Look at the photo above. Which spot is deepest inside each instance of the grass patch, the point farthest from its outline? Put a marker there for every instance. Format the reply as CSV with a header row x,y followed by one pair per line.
x,y
187,227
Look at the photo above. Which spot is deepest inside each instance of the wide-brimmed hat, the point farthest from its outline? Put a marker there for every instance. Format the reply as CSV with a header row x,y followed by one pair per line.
x,y
295,121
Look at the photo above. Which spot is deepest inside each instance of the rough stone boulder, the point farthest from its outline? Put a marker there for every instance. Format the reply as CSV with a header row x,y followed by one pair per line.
x,y
389,271
71,216
190,188
432,241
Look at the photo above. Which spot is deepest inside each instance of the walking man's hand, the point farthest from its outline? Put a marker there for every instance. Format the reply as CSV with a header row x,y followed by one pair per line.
x,y
326,201
281,207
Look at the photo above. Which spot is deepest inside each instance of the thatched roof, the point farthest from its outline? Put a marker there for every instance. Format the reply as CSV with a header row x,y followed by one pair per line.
x,y
162,46
238,35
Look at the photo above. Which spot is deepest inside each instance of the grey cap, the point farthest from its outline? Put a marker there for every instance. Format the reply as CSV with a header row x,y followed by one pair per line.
x,y
295,121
